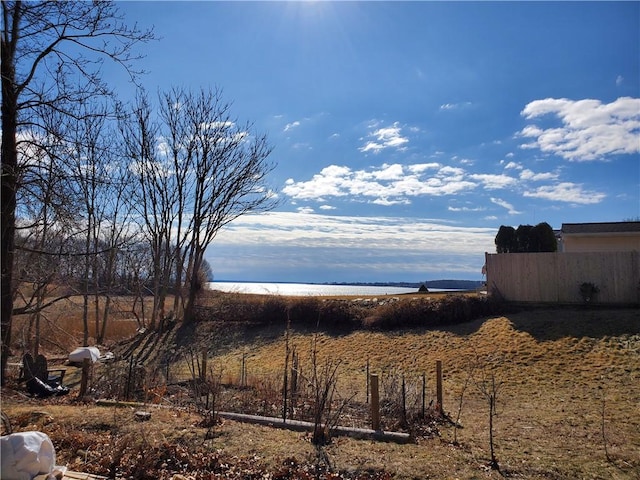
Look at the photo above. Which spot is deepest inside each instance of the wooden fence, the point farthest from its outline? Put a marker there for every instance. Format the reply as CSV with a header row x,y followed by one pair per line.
x,y
556,277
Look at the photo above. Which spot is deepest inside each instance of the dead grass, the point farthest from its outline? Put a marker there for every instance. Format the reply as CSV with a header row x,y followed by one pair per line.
x,y
559,368
62,325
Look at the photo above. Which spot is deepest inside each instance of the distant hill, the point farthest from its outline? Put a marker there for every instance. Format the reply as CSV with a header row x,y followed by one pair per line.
x,y
444,284
455,284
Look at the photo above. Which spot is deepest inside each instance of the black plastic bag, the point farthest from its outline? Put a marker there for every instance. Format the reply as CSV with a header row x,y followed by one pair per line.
x,y
37,387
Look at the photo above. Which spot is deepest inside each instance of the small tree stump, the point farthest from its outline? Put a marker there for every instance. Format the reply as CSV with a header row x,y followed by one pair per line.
x,y
141,416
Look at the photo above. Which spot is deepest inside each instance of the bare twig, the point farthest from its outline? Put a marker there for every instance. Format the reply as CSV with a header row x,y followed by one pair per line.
x,y
461,402
490,388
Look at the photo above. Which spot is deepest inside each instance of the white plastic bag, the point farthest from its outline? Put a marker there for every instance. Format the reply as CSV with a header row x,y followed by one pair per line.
x,y
80,353
25,455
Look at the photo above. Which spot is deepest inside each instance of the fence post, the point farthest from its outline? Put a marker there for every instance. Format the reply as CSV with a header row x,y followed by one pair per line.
x,y
439,385
368,380
375,403
84,379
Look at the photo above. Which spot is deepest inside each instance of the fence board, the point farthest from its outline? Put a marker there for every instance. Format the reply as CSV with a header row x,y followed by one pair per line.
x,y
556,277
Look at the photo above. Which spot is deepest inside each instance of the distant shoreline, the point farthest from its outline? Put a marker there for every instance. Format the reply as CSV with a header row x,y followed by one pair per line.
x,y
338,289
440,284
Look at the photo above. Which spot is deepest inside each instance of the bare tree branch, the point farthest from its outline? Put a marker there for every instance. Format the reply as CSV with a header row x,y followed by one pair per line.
x,y
51,56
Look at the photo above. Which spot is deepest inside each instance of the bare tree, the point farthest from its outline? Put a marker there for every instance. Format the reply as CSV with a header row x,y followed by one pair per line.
x,y
44,226
490,387
179,146
117,234
230,166
85,166
198,170
136,261
155,196
73,185
44,49
100,178
47,214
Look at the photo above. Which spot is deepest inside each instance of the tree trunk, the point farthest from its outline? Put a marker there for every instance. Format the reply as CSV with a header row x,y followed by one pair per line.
x,y
47,29
194,286
86,283
105,318
8,197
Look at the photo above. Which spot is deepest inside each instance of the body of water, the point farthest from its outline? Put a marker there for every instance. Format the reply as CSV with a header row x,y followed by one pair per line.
x,y
307,289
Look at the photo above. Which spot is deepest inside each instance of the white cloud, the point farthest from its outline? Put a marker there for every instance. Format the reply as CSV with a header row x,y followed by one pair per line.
x,y
316,231
302,146
494,182
386,137
422,167
466,209
390,172
504,204
315,247
590,130
527,174
305,210
385,185
329,182
619,80
456,172
384,201
398,184
454,106
327,207
217,125
567,192
291,125
513,165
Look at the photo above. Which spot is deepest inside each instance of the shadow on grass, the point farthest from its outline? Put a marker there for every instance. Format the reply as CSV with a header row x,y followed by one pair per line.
x,y
577,322
223,337
339,319
548,324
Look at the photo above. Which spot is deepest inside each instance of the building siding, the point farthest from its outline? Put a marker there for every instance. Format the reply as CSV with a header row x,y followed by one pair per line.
x,y
556,277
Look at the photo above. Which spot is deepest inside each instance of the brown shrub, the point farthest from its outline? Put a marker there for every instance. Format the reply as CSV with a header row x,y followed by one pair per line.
x,y
449,310
347,315
299,312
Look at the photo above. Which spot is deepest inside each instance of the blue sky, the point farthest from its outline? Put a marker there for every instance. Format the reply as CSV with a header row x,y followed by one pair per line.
x,y
406,133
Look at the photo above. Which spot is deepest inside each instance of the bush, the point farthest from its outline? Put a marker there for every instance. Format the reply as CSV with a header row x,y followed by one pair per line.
x,y
451,309
347,315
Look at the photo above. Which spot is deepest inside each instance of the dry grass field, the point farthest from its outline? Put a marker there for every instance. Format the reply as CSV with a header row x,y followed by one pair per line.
x,y
568,405
570,387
